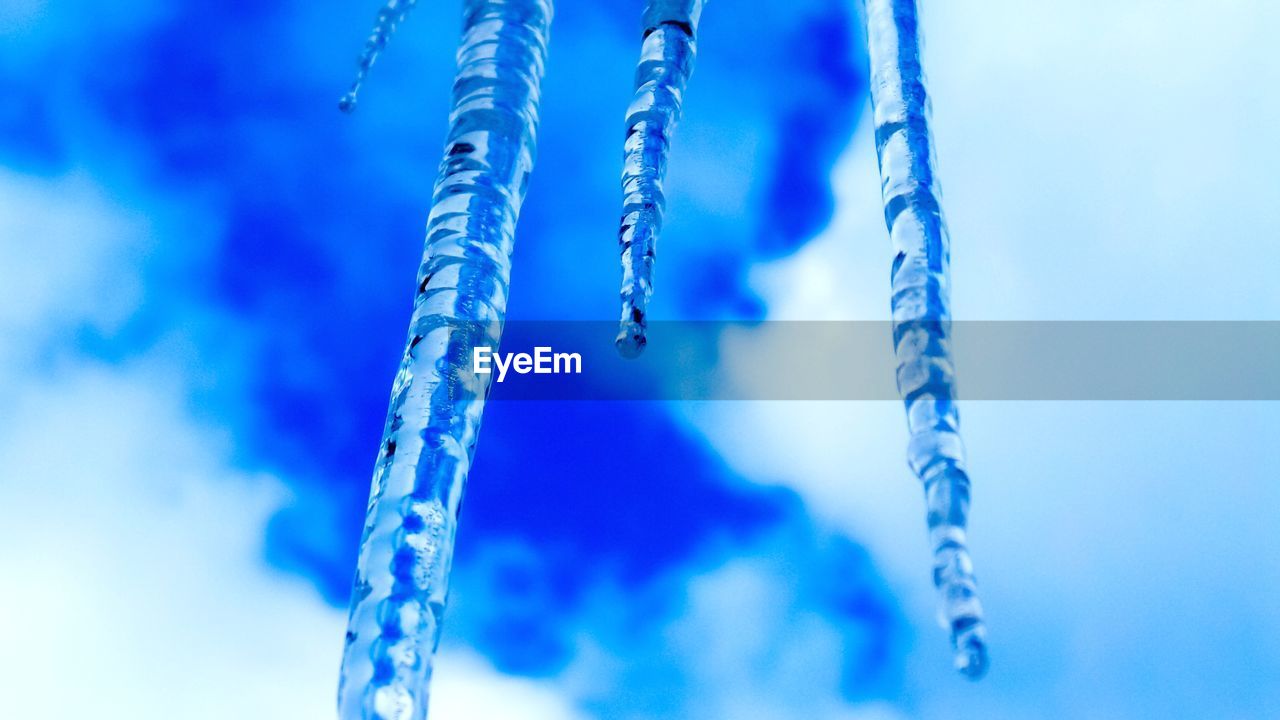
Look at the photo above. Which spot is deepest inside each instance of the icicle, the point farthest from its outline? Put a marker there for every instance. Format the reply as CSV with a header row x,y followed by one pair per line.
x,y
666,61
921,313
391,15
429,441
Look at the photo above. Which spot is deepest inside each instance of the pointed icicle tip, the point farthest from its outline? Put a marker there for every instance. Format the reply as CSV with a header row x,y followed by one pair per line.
x,y
666,62
971,657
920,303
391,15
631,339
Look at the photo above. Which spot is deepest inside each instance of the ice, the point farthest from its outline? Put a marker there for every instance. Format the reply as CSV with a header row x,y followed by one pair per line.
x,y
402,574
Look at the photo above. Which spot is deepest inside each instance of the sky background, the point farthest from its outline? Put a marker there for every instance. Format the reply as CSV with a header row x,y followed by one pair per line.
x,y
206,272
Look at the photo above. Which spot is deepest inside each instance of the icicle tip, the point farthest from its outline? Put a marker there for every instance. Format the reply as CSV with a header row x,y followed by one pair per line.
x,y
631,339
347,103
971,654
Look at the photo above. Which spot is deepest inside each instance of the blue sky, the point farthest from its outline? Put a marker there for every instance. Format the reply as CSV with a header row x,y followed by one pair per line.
x,y
205,273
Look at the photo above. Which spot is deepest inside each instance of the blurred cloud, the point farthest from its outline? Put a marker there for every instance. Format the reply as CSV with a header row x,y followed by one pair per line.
x,y
129,541
1109,161
134,582
781,632
71,256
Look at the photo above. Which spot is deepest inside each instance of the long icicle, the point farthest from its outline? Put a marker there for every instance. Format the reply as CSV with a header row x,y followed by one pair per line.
x,y
436,402
666,61
390,16
921,313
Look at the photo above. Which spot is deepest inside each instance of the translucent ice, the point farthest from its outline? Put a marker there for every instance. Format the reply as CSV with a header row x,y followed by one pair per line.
x,y
391,15
666,61
921,313
430,436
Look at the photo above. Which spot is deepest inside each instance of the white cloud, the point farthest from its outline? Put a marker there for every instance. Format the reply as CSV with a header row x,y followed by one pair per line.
x,y
134,577
466,686
69,255
753,651
843,273
1108,160
751,642
134,573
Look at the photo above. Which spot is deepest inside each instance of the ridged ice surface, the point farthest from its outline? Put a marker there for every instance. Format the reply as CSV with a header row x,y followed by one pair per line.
x,y
403,569
921,313
391,15
666,61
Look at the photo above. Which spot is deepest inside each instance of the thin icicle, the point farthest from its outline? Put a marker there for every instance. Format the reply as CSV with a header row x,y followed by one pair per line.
x,y
666,61
436,404
390,16
921,313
